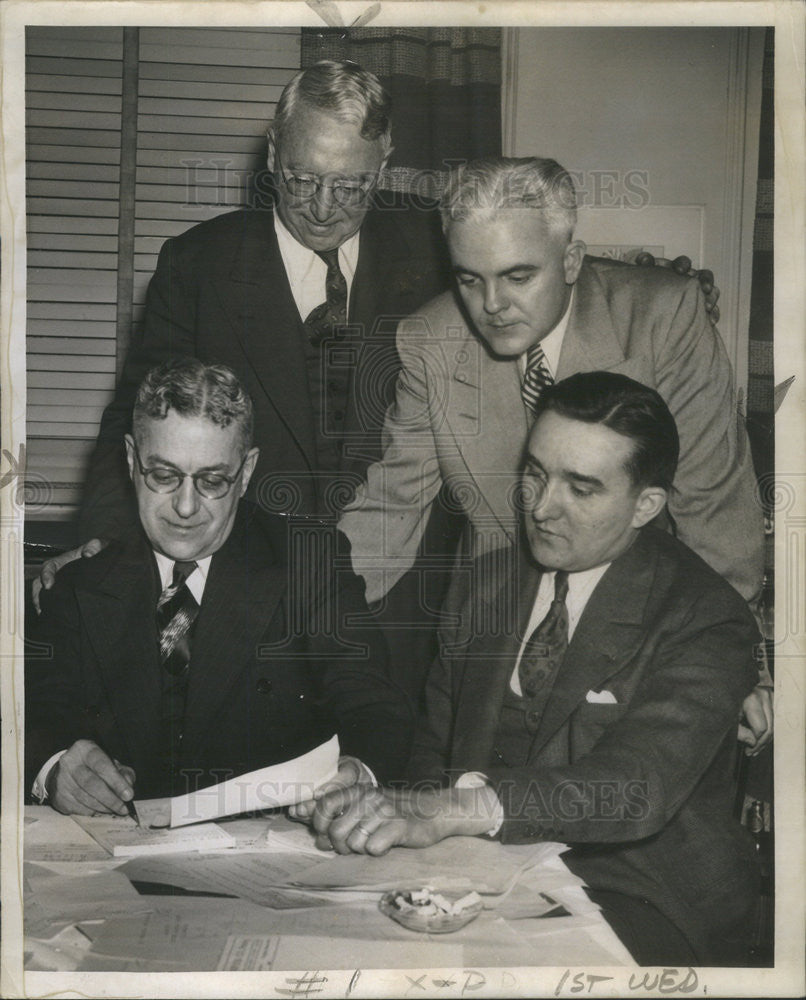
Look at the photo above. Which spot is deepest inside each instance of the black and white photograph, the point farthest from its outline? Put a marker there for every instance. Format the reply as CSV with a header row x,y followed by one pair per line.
x,y
403,499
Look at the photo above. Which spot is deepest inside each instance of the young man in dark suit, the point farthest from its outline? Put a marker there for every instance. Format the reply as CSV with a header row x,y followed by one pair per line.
x,y
590,692
210,640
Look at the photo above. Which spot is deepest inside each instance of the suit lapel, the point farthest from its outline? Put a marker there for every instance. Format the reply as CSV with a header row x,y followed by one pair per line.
x,y
488,422
241,594
257,296
490,660
119,612
606,637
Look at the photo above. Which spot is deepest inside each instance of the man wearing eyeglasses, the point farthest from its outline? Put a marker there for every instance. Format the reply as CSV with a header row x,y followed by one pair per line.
x,y
209,642
301,301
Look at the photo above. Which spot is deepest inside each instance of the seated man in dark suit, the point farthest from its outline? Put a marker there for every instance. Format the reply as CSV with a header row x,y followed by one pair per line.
x,y
207,642
591,693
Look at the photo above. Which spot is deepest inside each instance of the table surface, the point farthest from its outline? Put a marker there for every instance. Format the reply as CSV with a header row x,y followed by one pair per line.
x,y
273,903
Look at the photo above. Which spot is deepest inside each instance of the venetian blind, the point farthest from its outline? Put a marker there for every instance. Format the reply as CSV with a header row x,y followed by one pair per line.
x,y
201,99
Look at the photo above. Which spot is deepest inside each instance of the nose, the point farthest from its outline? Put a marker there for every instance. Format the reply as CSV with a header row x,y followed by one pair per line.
x,y
543,502
322,203
186,499
494,298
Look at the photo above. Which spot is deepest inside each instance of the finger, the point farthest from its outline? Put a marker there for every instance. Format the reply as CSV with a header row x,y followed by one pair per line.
x,y
128,773
92,548
360,834
36,588
329,807
302,811
391,833
99,764
746,735
77,791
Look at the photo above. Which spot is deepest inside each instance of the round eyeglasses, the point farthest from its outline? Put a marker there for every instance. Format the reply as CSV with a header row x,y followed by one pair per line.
x,y
345,190
210,485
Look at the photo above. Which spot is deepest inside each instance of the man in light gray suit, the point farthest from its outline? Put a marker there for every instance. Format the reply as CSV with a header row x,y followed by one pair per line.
x,y
532,308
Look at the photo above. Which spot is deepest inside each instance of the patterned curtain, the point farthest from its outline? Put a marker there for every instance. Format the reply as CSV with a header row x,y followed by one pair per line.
x,y
446,93
760,396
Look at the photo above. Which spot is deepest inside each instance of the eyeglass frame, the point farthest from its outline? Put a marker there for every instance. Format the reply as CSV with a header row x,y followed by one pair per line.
x,y
364,191
229,480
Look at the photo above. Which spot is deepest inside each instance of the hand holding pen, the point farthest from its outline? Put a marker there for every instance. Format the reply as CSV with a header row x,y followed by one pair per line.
x,y
86,780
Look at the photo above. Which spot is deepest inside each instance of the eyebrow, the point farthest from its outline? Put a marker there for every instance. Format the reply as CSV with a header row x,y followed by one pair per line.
x,y
532,464
460,269
159,460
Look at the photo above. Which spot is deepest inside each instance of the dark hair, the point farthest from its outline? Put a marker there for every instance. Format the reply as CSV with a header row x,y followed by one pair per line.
x,y
193,389
627,407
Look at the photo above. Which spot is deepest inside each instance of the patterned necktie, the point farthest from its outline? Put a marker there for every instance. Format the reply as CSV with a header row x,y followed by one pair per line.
x,y
329,318
546,647
536,378
176,613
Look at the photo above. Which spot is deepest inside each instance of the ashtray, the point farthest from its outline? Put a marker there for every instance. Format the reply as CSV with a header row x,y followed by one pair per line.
x,y
430,912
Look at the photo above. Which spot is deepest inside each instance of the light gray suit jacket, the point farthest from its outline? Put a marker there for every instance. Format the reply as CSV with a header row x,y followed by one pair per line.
x,y
458,418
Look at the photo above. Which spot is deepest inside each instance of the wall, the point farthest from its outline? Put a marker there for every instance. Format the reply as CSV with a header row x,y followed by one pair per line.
x,y
680,104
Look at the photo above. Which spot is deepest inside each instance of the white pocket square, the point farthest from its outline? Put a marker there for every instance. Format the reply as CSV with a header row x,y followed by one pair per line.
x,y
601,698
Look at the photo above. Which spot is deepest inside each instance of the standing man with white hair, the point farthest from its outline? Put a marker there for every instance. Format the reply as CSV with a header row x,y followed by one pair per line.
x,y
532,309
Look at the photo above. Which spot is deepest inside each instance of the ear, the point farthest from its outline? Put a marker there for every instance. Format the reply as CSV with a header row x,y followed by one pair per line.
x,y
572,260
129,442
248,468
271,150
648,504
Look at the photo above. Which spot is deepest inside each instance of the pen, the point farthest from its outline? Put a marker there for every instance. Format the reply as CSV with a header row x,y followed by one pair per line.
x,y
133,812
130,808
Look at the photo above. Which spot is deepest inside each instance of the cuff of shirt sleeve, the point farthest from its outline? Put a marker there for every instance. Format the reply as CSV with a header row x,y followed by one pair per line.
x,y
39,789
475,779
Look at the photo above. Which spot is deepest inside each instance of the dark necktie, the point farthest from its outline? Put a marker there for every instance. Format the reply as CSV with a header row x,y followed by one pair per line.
x,y
176,612
536,377
329,318
546,647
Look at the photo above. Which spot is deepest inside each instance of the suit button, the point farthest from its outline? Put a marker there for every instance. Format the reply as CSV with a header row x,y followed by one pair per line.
x,y
93,711
533,718
263,685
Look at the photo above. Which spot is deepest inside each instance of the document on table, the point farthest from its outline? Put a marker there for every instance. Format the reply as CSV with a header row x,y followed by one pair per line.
x,y
123,838
267,788
455,863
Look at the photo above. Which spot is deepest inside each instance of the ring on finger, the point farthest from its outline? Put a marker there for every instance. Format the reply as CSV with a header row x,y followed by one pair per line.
x,y
363,830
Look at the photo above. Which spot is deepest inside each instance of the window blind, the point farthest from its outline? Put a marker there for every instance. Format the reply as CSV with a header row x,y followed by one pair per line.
x,y
204,97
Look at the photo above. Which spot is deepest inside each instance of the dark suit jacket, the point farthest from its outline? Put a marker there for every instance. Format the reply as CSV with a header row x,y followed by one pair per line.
x,y
276,665
220,293
641,787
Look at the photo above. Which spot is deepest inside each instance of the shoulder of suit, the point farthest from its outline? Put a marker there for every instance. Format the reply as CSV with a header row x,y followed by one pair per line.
x,y
692,576
264,535
619,274
440,313
231,226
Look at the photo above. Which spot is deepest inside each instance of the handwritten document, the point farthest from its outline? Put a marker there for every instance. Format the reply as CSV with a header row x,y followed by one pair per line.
x,y
267,788
123,838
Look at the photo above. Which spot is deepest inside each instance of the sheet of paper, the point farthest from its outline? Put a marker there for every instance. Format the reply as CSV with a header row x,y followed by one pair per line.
x,y
50,836
267,788
123,838
263,879
455,863
180,935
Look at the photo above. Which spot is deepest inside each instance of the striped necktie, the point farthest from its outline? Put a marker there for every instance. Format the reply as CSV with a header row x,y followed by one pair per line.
x,y
536,378
176,613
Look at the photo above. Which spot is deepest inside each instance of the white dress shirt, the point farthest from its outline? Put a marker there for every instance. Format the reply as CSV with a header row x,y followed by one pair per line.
x,y
195,582
552,343
307,272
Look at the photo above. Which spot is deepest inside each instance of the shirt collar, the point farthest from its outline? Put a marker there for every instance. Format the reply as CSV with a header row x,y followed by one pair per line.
x,y
299,258
552,343
195,582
